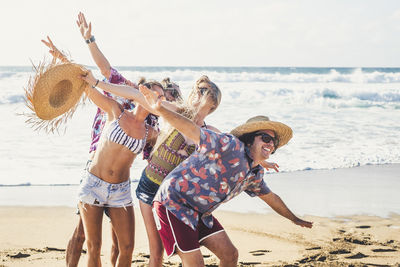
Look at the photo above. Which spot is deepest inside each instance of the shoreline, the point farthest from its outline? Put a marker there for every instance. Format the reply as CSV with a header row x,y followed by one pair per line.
x,y
326,193
37,236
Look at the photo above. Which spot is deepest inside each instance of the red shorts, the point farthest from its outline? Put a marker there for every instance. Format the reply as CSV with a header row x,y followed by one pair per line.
x,y
175,233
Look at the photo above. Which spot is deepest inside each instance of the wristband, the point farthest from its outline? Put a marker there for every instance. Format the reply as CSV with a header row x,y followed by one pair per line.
x,y
90,40
97,82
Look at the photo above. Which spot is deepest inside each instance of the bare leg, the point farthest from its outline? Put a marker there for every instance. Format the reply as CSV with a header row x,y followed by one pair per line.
x,y
92,217
155,243
74,247
123,223
223,248
114,247
191,259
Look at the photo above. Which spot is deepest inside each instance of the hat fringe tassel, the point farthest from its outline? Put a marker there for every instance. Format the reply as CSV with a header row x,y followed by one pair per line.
x,y
38,124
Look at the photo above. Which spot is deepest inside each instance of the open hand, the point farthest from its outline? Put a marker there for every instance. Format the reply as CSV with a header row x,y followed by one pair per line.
x,y
270,165
303,223
84,28
152,99
57,54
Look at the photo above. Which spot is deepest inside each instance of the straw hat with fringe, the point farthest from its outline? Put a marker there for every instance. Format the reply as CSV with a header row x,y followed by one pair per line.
x,y
53,94
258,123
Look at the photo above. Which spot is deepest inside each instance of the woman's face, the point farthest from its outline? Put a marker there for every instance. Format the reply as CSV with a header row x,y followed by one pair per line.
x,y
204,88
158,90
172,94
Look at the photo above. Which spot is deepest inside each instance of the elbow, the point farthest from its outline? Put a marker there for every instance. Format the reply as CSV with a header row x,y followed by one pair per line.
x,y
106,72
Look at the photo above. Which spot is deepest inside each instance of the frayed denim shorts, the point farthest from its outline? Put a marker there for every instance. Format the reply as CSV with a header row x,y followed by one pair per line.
x,y
94,191
146,189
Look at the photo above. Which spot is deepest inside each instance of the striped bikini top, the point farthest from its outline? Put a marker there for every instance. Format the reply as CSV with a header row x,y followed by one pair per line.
x,y
117,135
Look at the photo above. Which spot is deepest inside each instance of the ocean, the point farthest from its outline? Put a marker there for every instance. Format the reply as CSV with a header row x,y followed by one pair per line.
x,y
341,118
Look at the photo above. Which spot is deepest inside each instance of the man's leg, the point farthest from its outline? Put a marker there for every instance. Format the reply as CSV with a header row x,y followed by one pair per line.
x,y
191,259
155,243
223,248
74,247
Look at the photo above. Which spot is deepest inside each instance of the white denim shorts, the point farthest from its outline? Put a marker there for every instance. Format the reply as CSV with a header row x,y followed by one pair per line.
x,y
94,191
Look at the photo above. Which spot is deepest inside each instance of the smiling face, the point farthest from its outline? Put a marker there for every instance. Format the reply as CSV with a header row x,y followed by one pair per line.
x,y
157,89
205,96
261,150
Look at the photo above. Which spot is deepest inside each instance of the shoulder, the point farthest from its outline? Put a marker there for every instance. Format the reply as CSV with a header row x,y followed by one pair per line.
x,y
212,128
223,141
116,77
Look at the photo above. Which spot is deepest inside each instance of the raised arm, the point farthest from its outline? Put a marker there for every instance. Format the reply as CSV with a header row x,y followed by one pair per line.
x,y
179,122
57,54
276,203
98,57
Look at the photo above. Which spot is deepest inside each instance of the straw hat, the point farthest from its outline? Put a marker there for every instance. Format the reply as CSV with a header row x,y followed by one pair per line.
x,y
258,123
54,93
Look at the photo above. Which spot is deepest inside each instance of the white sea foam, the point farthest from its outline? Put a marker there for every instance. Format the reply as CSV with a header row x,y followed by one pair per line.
x,y
340,118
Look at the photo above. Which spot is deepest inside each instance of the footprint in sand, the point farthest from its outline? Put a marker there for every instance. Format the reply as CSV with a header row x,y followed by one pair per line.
x,y
243,263
363,226
19,255
314,248
359,255
339,251
259,252
384,250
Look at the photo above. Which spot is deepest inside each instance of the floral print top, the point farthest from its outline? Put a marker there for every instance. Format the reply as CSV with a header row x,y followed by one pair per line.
x,y
218,171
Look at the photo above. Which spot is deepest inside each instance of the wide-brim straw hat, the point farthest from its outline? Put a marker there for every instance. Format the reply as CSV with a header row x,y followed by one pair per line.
x,y
54,93
283,132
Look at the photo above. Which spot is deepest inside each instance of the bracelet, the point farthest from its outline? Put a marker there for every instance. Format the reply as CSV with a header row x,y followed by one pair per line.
x,y
90,40
97,82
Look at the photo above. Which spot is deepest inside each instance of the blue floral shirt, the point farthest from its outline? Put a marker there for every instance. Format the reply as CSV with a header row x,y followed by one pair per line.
x,y
218,171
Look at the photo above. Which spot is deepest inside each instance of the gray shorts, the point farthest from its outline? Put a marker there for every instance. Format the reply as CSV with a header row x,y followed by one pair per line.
x,y
94,191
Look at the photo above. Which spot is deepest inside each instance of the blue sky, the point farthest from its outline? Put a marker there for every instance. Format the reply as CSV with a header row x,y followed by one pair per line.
x,y
356,33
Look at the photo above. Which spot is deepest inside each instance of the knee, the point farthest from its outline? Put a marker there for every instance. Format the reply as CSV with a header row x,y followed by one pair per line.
x,y
126,248
94,246
231,256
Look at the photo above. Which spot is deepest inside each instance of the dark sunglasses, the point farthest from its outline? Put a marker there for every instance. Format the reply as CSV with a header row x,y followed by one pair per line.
x,y
266,138
203,90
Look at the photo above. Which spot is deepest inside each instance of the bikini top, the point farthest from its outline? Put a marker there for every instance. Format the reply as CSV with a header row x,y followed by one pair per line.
x,y
117,135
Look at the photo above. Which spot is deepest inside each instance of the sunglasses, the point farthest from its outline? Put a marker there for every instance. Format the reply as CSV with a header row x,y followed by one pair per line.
x,y
203,90
266,138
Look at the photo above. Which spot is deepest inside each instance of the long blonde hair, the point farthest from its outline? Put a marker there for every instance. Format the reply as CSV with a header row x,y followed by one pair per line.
x,y
189,110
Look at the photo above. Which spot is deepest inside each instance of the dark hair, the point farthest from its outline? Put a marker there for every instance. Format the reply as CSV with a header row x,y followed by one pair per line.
x,y
169,86
248,138
149,84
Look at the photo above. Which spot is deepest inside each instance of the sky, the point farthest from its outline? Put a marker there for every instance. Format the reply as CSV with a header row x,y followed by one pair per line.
x,y
309,33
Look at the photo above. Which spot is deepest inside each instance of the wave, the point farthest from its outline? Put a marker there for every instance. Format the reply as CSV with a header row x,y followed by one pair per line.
x,y
250,74
244,75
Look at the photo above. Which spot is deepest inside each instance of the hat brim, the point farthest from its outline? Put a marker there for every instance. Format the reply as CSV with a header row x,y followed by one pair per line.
x,y
282,131
53,94
58,90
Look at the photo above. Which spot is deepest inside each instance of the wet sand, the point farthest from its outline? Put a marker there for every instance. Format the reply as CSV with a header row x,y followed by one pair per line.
x,y
38,236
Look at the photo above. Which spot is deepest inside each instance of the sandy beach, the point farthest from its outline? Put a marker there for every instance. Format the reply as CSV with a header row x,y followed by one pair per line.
x,y
37,236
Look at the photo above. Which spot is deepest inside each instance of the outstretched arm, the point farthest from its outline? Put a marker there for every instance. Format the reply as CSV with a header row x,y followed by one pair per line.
x,y
270,165
98,57
276,203
179,122
125,91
